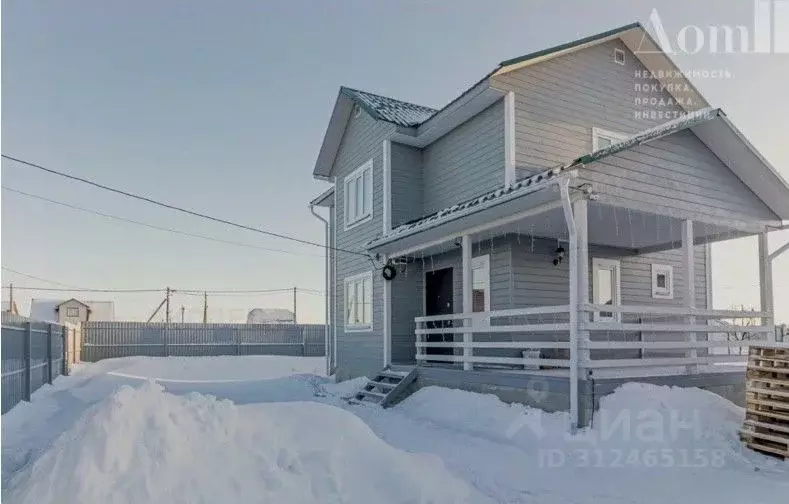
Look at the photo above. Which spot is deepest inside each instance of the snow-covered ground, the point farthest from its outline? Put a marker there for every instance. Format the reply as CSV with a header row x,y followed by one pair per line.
x,y
272,429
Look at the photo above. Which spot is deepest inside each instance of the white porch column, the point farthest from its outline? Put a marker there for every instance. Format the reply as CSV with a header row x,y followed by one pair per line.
x,y
580,211
689,296
387,322
467,297
766,284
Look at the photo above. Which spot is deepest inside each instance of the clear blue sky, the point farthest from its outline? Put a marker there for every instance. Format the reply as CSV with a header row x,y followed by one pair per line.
x,y
221,106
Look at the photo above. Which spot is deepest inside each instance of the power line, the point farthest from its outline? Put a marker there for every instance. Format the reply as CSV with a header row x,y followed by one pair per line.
x,y
190,292
152,226
39,278
180,209
60,289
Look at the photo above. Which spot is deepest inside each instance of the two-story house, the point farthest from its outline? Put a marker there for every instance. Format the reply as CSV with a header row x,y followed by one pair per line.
x,y
546,231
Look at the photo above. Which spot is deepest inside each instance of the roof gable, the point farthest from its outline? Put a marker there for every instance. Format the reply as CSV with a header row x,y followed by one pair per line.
x,y
643,46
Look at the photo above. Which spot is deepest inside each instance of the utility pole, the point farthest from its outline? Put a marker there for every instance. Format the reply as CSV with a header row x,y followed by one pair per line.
x,y
294,306
167,306
183,309
205,307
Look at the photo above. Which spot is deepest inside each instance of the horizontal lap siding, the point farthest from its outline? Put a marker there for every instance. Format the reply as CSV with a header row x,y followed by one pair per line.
x,y
466,162
407,183
359,353
559,101
537,283
680,172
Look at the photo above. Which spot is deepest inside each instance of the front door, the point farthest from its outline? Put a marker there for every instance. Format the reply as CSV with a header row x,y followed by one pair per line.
x,y
438,301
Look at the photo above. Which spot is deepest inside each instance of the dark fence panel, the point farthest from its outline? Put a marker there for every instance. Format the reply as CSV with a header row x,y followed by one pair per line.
x,y
106,340
32,355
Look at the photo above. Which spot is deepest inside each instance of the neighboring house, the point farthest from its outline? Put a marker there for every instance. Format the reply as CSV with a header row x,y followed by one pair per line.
x,y
270,316
71,311
548,228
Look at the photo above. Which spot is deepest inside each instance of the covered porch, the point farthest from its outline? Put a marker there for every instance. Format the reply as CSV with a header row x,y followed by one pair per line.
x,y
547,280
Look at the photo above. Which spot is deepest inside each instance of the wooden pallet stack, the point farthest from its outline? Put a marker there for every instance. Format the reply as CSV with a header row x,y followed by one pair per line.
x,y
766,427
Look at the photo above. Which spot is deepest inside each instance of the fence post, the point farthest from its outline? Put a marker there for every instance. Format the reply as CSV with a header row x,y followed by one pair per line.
x,y
49,354
235,340
28,334
64,334
304,341
165,333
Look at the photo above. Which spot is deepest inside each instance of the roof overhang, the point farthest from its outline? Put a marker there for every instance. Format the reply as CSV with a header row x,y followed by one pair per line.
x,y
70,300
333,136
469,104
537,194
727,142
324,199
641,44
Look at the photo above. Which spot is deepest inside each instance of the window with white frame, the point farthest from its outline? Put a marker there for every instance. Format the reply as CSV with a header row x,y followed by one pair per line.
x,y
606,287
662,281
72,311
619,56
359,302
480,284
603,138
359,195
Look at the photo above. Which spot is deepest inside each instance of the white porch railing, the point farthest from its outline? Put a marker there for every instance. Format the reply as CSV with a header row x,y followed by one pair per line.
x,y
465,325
670,329
647,330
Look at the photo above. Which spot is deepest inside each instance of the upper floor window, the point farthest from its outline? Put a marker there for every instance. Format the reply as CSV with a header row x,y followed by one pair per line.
x,y
72,311
359,195
619,56
602,138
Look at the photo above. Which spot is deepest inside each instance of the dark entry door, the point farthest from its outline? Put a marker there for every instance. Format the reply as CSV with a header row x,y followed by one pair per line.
x,y
438,301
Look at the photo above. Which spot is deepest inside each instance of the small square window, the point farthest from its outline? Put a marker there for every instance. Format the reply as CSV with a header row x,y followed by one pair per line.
x,y
72,311
619,56
662,281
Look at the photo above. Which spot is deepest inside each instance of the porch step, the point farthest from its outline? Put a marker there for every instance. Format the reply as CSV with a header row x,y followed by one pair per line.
x,y
387,387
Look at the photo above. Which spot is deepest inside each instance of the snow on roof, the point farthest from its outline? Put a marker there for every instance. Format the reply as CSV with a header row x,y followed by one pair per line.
x,y
519,188
46,309
539,180
683,122
390,110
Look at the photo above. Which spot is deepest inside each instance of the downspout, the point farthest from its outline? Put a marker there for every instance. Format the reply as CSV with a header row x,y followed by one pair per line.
x,y
564,192
329,369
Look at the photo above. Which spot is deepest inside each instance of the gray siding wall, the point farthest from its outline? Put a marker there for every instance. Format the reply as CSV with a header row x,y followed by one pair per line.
x,y
677,172
557,102
407,183
539,283
466,162
359,353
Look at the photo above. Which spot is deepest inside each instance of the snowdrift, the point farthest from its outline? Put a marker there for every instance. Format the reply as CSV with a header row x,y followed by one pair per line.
x,y
636,416
143,445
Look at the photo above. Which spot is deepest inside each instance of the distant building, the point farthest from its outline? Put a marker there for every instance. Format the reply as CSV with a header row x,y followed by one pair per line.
x,y
270,316
71,311
10,307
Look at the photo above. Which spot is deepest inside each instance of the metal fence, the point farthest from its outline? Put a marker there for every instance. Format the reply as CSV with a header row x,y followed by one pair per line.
x,y
105,340
32,355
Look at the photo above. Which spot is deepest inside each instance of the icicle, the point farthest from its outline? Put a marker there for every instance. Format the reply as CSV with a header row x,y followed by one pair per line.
x,y
616,223
531,236
630,225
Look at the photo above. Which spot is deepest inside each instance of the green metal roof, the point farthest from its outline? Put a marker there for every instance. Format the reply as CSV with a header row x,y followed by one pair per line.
x,y
570,45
